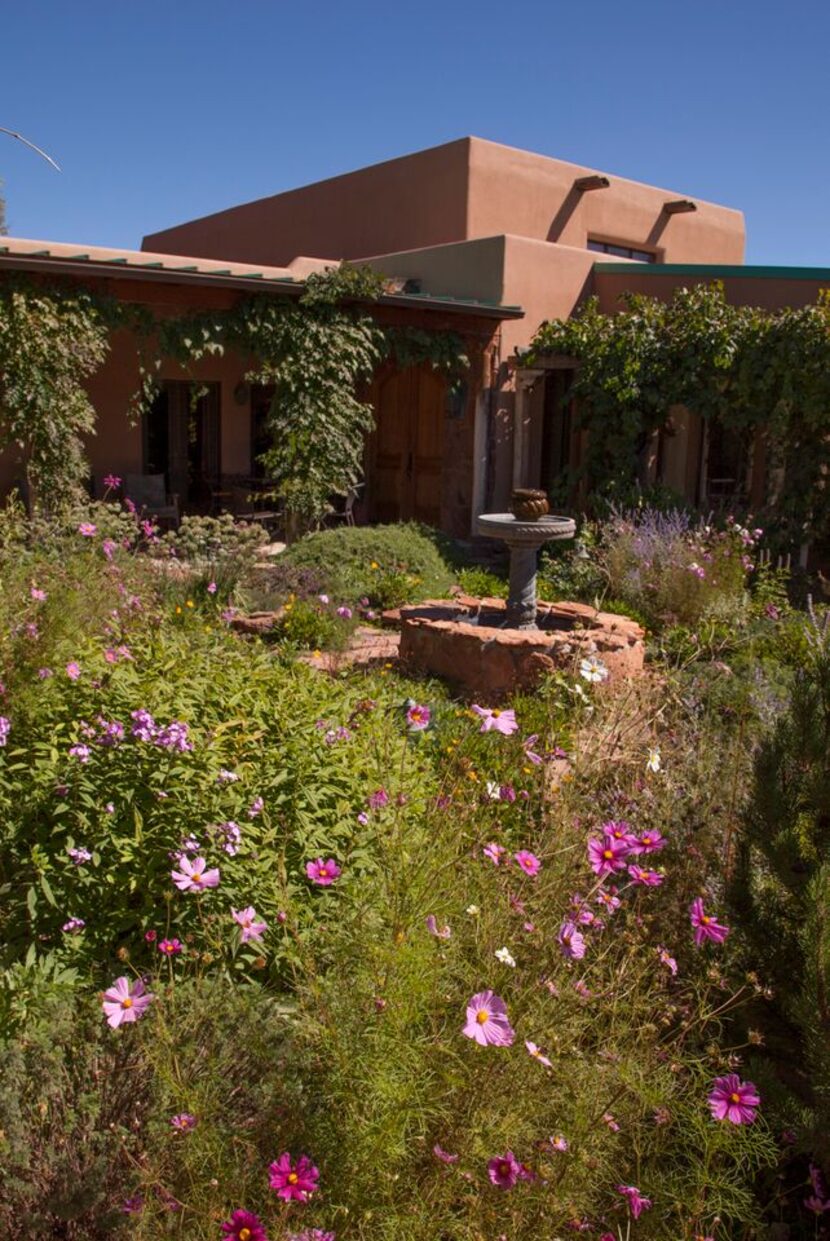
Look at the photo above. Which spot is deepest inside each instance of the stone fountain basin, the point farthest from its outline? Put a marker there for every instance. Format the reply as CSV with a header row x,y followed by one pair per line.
x,y
464,640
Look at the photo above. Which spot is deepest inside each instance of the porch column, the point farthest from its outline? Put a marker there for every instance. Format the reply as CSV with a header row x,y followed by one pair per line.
x,y
525,380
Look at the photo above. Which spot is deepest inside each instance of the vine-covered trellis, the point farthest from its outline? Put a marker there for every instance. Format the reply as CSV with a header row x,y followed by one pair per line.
x,y
756,371
315,351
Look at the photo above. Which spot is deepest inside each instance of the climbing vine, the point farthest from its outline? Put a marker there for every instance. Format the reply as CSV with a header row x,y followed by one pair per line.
x,y
755,371
48,347
316,351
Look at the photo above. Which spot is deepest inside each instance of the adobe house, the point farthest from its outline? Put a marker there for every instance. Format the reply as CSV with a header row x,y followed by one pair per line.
x,y
480,238
476,219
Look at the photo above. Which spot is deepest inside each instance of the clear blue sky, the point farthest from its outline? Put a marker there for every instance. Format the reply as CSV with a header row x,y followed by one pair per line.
x,y
159,112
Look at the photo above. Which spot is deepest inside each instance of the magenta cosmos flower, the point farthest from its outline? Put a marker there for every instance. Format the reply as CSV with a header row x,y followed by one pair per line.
x,y
193,877
169,947
734,1100
292,1181
487,1020
646,878
251,929
504,1170
125,1001
418,717
648,842
322,873
536,1053
496,720
494,852
88,529
636,1202
183,1122
705,925
608,855
571,941
244,1226
444,1156
529,862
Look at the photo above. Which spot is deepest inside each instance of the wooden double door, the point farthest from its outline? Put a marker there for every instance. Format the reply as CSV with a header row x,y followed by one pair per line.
x,y
406,449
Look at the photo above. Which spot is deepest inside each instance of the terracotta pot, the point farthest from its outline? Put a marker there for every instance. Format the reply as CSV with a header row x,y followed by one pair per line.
x,y
528,505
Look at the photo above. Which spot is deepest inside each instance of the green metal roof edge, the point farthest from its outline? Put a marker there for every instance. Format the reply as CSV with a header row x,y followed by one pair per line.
x,y
713,269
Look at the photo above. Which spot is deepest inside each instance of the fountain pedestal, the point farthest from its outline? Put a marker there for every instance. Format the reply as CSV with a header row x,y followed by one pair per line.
x,y
523,538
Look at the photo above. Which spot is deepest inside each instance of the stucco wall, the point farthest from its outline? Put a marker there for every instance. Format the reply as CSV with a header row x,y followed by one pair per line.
x,y
415,200
769,290
520,192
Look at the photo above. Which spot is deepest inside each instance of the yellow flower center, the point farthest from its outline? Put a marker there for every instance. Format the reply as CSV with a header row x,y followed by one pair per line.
x,y
292,1178
324,874
496,714
197,876
735,1098
705,919
244,1234
608,854
482,1015
126,1002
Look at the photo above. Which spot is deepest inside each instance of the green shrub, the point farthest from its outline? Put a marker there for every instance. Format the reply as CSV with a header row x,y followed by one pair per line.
x,y
482,583
387,565
216,549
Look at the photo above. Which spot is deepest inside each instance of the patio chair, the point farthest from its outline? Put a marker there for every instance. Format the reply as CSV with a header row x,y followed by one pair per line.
x,y
149,494
346,514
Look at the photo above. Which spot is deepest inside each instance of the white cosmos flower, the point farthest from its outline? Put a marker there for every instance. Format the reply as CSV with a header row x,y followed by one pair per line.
x,y
593,669
653,763
493,791
503,955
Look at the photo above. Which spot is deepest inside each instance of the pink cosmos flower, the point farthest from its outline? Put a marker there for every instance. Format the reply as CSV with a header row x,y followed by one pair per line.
x,y
108,547
648,842
193,877
609,1120
667,960
636,1202
559,1143
38,595
705,925
88,529
293,1182
571,941
418,717
496,720
443,932
529,862
184,1122
607,856
73,670
535,1052
125,1001
74,926
733,1100
112,481
344,612
444,1156
504,1170
212,588
251,929
378,799
608,898
244,1226
487,1020
494,852
646,878
618,829
323,873
169,947
530,753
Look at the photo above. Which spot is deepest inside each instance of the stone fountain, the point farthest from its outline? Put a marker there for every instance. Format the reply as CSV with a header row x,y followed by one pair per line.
x,y
524,539
491,647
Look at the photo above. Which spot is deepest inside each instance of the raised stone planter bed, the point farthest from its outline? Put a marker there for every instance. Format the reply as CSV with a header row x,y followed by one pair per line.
x,y
463,640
